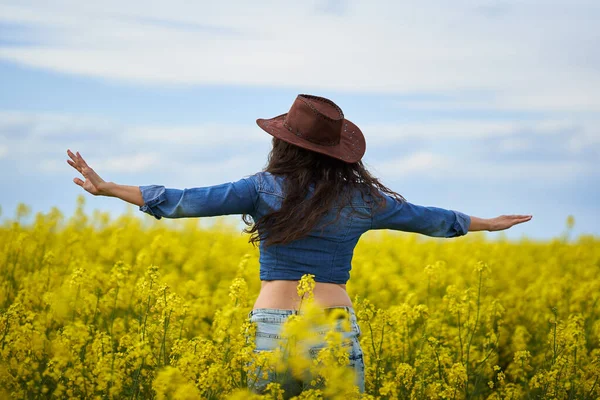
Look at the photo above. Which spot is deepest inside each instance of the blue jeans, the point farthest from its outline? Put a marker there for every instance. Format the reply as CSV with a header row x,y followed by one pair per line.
x,y
268,323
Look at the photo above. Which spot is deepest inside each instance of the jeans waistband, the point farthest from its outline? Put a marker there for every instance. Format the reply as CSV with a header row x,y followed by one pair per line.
x,y
285,312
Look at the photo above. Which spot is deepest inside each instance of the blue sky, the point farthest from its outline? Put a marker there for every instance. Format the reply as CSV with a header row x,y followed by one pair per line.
x,y
488,107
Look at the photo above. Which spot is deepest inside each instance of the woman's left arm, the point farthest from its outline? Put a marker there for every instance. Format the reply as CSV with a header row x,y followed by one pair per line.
x,y
227,198
223,199
130,194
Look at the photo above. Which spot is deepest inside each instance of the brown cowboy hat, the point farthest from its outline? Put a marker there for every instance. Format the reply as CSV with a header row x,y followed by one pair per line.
x,y
318,124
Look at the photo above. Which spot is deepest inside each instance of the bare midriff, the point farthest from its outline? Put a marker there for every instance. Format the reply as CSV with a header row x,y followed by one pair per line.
x,y
284,295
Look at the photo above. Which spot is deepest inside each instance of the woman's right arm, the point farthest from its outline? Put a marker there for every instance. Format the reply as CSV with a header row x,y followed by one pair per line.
x,y
435,221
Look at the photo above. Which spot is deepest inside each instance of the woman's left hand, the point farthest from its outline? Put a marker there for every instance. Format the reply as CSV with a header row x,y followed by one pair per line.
x,y
93,183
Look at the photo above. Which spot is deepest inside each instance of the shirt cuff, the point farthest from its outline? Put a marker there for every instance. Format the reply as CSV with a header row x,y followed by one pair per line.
x,y
152,196
462,224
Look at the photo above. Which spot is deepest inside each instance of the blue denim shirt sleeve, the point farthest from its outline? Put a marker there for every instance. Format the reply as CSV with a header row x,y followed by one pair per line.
x,y
227,198
430,221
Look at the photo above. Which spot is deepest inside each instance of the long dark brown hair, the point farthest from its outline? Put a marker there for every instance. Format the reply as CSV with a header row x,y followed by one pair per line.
x,y
332,178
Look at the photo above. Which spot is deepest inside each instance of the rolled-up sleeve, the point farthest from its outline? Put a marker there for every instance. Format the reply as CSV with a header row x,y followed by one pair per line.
x,y
224,199
430,221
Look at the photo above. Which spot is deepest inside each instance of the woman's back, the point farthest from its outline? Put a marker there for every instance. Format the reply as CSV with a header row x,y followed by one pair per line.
x,y
326,251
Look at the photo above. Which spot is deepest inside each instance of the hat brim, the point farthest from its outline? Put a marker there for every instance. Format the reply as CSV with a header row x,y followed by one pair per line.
x,y
350,149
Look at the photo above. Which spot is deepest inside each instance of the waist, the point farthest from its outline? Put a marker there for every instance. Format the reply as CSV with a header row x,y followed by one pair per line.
x,y
283,294
280,315
288,284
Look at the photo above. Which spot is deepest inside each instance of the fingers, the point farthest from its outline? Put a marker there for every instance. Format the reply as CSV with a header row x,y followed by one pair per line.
x,y
72,164
75,163
70,153
519,219
82,160
506,221
78,163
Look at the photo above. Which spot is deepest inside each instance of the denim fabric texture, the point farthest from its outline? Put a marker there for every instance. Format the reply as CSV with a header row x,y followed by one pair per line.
x,y
326,253
268,327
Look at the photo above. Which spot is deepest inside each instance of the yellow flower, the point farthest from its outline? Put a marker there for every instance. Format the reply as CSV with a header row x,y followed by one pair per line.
x,y
95,308
306,286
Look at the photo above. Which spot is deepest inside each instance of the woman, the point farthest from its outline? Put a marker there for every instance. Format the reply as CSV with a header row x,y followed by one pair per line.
x,y
310,206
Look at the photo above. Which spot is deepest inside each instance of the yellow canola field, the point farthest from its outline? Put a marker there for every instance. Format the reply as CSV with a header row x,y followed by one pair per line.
x,y
137,308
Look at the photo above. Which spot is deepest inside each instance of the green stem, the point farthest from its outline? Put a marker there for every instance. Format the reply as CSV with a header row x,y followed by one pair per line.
x,y
460,340
592,389
376,357
473,333
554,339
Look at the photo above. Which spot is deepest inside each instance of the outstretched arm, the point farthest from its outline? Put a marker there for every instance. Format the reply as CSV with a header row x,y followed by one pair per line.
x,y
224,199
95,185
435,221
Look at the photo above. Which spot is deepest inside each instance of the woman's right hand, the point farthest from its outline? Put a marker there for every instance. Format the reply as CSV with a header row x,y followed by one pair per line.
x,y
506,221
93,183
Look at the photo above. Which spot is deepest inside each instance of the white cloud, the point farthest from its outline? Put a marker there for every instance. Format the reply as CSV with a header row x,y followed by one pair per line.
x,y
515,144
530,55
420,163
546,99
206,135
548,171
129,163
50,125
478,149
445,167
441,129
113,147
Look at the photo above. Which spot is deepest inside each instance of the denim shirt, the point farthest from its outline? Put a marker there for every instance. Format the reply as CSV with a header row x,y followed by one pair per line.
x,y
327,251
